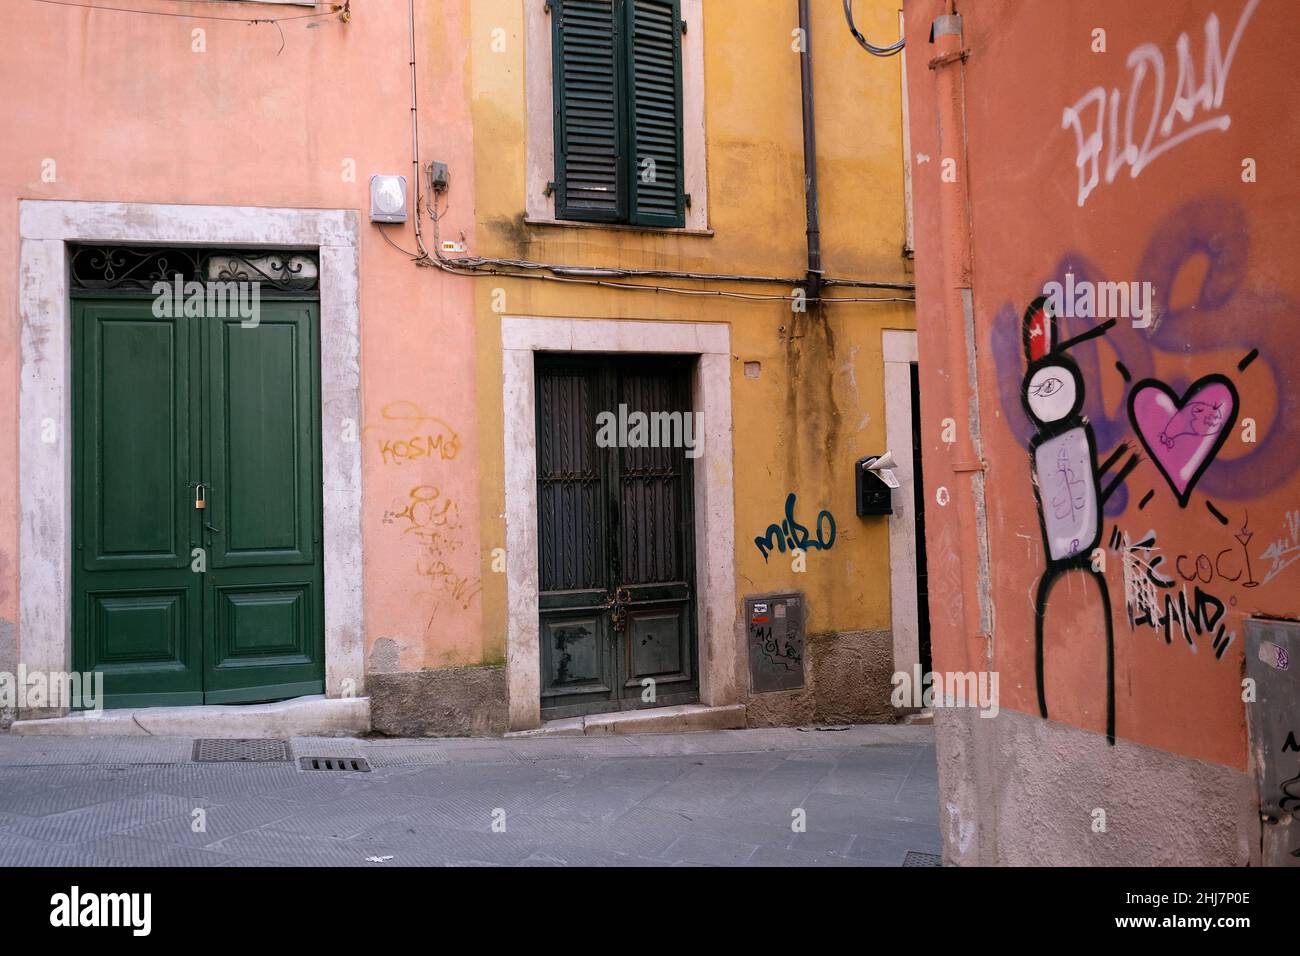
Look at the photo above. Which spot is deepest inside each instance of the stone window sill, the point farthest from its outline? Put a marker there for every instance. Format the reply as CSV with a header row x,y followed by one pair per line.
x,y
619,227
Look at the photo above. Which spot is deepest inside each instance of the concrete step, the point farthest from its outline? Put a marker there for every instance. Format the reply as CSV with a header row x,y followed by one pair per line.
x,y
315,716
683,718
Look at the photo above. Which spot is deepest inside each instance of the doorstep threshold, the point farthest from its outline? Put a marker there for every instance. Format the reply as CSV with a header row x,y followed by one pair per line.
x,y
682,718
312,716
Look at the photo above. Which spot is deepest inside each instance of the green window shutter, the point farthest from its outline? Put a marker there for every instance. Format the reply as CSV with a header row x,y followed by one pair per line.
x,y
654,83
589,125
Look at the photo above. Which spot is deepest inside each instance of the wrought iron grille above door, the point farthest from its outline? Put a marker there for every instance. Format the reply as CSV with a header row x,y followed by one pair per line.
x,y
131,270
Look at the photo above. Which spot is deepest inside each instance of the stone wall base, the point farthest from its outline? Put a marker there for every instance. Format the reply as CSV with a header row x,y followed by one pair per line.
x,y
453,702
1015,790
847,675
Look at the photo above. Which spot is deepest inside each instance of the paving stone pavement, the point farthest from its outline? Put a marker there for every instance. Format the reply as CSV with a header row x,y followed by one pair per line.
x,y
868,794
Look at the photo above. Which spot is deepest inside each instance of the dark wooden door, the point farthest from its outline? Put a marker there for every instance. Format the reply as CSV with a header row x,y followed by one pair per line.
x,y
615,539
176,603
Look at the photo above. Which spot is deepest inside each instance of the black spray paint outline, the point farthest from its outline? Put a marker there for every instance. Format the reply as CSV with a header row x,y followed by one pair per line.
x,y
1290,802
1180,403
1081,559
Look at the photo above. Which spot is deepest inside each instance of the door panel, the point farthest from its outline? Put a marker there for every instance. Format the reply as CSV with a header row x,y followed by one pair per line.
x,y
615,540
261,439
264,629
136,435
656,537
655,645
578,672
162,406
575,658
136,604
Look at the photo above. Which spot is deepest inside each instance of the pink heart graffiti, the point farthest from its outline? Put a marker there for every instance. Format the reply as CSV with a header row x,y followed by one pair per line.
x,y
1182,435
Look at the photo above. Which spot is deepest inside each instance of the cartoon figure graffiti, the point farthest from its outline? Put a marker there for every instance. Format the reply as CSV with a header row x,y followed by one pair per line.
x,y
1066,477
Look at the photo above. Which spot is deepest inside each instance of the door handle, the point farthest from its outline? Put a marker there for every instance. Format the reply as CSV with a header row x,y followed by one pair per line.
x,y
618,608
212,529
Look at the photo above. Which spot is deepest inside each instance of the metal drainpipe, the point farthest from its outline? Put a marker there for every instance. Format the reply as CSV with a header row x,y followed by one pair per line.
x,y
958,355
812,199
415,136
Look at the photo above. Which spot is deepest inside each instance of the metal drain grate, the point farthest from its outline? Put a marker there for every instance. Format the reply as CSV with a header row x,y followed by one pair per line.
x,y
222,750
917,858
353,764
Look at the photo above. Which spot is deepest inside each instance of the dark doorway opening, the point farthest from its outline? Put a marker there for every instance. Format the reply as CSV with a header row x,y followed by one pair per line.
x,y
918,494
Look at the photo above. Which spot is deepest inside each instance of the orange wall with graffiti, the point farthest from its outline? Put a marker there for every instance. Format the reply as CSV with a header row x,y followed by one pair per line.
x,y
1114,142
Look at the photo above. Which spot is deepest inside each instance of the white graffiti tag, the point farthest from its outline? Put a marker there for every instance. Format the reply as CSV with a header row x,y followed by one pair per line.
x,y
1191,101
1284,552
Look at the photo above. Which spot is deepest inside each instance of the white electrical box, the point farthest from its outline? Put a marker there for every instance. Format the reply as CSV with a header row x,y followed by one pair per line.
x,y
388,199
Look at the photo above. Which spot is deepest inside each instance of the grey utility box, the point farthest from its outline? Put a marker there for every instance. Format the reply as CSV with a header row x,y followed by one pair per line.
x,y
1273,662
774,628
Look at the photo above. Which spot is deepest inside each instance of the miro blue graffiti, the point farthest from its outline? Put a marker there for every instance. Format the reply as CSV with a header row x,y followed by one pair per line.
x,y
791,534
1226,313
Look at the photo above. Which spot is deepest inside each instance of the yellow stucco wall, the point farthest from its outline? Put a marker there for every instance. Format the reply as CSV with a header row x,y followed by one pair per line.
x,y
818,403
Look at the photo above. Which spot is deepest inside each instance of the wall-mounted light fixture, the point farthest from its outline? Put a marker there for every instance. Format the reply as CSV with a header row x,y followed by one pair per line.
x,y
388,199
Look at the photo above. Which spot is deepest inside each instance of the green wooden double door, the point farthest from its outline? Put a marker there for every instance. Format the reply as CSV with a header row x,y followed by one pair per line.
x,y
197,572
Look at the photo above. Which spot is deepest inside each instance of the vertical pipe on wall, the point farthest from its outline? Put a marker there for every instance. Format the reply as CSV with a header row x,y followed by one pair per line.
x,y
812,200
958,355
415,137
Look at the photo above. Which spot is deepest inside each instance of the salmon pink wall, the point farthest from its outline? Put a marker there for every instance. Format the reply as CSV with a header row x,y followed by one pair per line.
x,y
125,107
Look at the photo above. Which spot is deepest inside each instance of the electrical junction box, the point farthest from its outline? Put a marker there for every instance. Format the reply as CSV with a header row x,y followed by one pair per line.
x,y
873,492
388,199
439,177
774,625
1273,718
